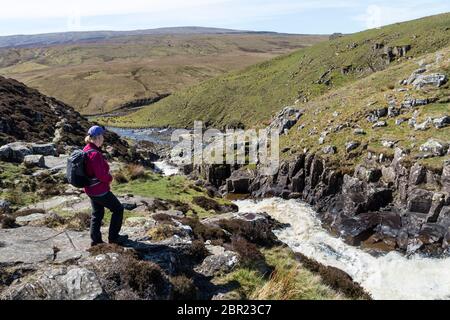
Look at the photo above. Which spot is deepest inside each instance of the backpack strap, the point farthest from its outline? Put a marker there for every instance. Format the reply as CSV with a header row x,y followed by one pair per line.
x,y
90,151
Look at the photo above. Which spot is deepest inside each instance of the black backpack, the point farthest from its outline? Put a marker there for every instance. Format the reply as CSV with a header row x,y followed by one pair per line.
x,y
76,174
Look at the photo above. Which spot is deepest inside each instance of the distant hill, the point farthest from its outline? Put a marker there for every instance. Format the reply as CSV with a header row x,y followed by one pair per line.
x,y
112,70
93,36
253,95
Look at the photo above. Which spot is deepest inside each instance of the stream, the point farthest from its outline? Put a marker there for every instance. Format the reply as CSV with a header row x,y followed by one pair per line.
x,y
156,135
389,276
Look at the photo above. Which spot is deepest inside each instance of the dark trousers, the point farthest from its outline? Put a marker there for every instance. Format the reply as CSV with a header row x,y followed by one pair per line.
x,y
99,204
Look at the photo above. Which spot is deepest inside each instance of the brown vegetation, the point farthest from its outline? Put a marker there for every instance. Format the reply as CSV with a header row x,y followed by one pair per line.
x,y
183,288
335,278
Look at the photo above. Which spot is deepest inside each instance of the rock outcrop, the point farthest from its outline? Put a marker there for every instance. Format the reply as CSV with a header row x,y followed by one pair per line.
x,y
387,202
46,124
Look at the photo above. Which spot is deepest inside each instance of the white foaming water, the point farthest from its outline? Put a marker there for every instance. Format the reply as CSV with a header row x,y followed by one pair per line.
x,y
391,276
166,168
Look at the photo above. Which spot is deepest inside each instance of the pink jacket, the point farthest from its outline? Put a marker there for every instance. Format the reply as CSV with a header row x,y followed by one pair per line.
x,y
97,167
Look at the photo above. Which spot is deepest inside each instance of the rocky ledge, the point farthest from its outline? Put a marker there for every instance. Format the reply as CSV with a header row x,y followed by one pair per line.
x,y
383,203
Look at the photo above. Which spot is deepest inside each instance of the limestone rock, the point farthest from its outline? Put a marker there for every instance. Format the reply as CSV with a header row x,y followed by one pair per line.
x,y
420,201
424,125
14,152
329,150
417,175
285,119
444,217
441,122
56,163
379,124
58,284
24,220
359,131
34,245
388,143
240,181
352,145
48,149
356,229
434,79
220,261
431,233
434,147
34,161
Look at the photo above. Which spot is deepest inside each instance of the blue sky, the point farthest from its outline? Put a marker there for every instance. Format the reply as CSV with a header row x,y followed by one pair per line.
x,y
292,16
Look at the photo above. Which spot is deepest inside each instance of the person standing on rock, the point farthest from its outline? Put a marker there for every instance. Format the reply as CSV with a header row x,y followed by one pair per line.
x,y
97,169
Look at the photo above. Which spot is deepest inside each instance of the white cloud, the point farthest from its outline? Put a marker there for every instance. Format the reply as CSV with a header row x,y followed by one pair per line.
x,y
162,12
58,9
382,12
373,17
31,16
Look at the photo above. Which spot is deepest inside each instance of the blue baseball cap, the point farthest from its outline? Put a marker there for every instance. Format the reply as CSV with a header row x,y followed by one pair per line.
x,y
96,131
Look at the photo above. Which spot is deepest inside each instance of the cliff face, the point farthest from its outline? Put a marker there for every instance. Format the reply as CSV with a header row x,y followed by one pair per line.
x,y
387,204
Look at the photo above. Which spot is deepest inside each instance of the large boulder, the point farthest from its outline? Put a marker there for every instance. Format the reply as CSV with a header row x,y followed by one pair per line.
x,y
34,160
240,181
31,218
434,79
413,221
414,75
431,233
434,147
33,245
59,283
220,261
441,122
417,174
285,119
48,149
14,152
356,229
56,163
352,145
359,196
420,201
390,224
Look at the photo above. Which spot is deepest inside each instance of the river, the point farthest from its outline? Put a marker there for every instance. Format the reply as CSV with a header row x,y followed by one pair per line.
x,y
388,276
159,136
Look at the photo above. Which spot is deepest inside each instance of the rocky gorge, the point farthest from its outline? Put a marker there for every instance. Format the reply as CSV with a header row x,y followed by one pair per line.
x,y
185,241
376,192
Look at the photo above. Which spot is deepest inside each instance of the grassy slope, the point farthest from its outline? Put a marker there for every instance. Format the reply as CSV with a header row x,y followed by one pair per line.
x,y
355,101
98,77
166,188
254,94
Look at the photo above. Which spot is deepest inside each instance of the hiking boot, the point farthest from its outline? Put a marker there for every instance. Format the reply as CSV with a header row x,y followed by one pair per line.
x,y
120,240
93,244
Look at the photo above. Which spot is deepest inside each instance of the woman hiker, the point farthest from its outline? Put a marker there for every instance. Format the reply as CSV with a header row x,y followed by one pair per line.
x,y
97,168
